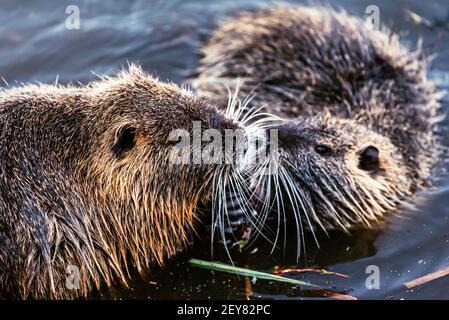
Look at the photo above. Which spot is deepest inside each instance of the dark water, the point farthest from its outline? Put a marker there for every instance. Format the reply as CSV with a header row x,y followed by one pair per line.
x,y
164,37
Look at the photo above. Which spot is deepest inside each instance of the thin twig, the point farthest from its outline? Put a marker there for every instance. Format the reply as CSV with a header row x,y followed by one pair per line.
x,y
428,277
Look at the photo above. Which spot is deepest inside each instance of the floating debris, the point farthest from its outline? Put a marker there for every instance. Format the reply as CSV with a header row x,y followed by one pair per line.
x,y
248,288
278,270
336,295
428,277
420,20
218,266
251,277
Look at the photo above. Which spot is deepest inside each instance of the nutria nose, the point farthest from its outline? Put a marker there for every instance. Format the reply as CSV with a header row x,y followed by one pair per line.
x,y
286,133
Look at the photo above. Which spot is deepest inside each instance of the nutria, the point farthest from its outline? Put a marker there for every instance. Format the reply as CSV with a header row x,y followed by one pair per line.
x,y
86,182
359,134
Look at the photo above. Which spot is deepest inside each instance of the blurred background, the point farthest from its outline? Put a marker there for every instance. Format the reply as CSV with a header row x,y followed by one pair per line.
x,y
165,38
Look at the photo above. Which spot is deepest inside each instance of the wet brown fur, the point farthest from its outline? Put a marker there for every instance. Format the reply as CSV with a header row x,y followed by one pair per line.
x,y
351,87
71,195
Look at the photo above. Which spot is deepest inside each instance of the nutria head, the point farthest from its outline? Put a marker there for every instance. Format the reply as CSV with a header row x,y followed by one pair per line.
x,y
87,180
335,173
299,61
130,164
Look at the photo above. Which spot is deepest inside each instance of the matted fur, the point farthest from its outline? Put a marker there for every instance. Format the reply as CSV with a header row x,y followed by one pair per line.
x,y
67,197
352,87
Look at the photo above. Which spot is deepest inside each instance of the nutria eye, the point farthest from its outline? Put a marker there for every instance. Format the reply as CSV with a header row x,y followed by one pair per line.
x,y
125,140
369,159
323,150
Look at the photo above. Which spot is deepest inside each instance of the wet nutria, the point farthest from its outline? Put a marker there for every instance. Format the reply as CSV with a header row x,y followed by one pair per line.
x,y
358,136
85,182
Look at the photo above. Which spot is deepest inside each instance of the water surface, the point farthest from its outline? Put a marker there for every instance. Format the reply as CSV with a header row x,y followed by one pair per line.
x,y
164,37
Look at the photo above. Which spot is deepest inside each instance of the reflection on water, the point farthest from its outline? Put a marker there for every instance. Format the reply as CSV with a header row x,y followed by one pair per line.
x,y
164,37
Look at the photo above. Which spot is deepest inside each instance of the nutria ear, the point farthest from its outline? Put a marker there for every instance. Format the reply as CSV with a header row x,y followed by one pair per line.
x,y
125,139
